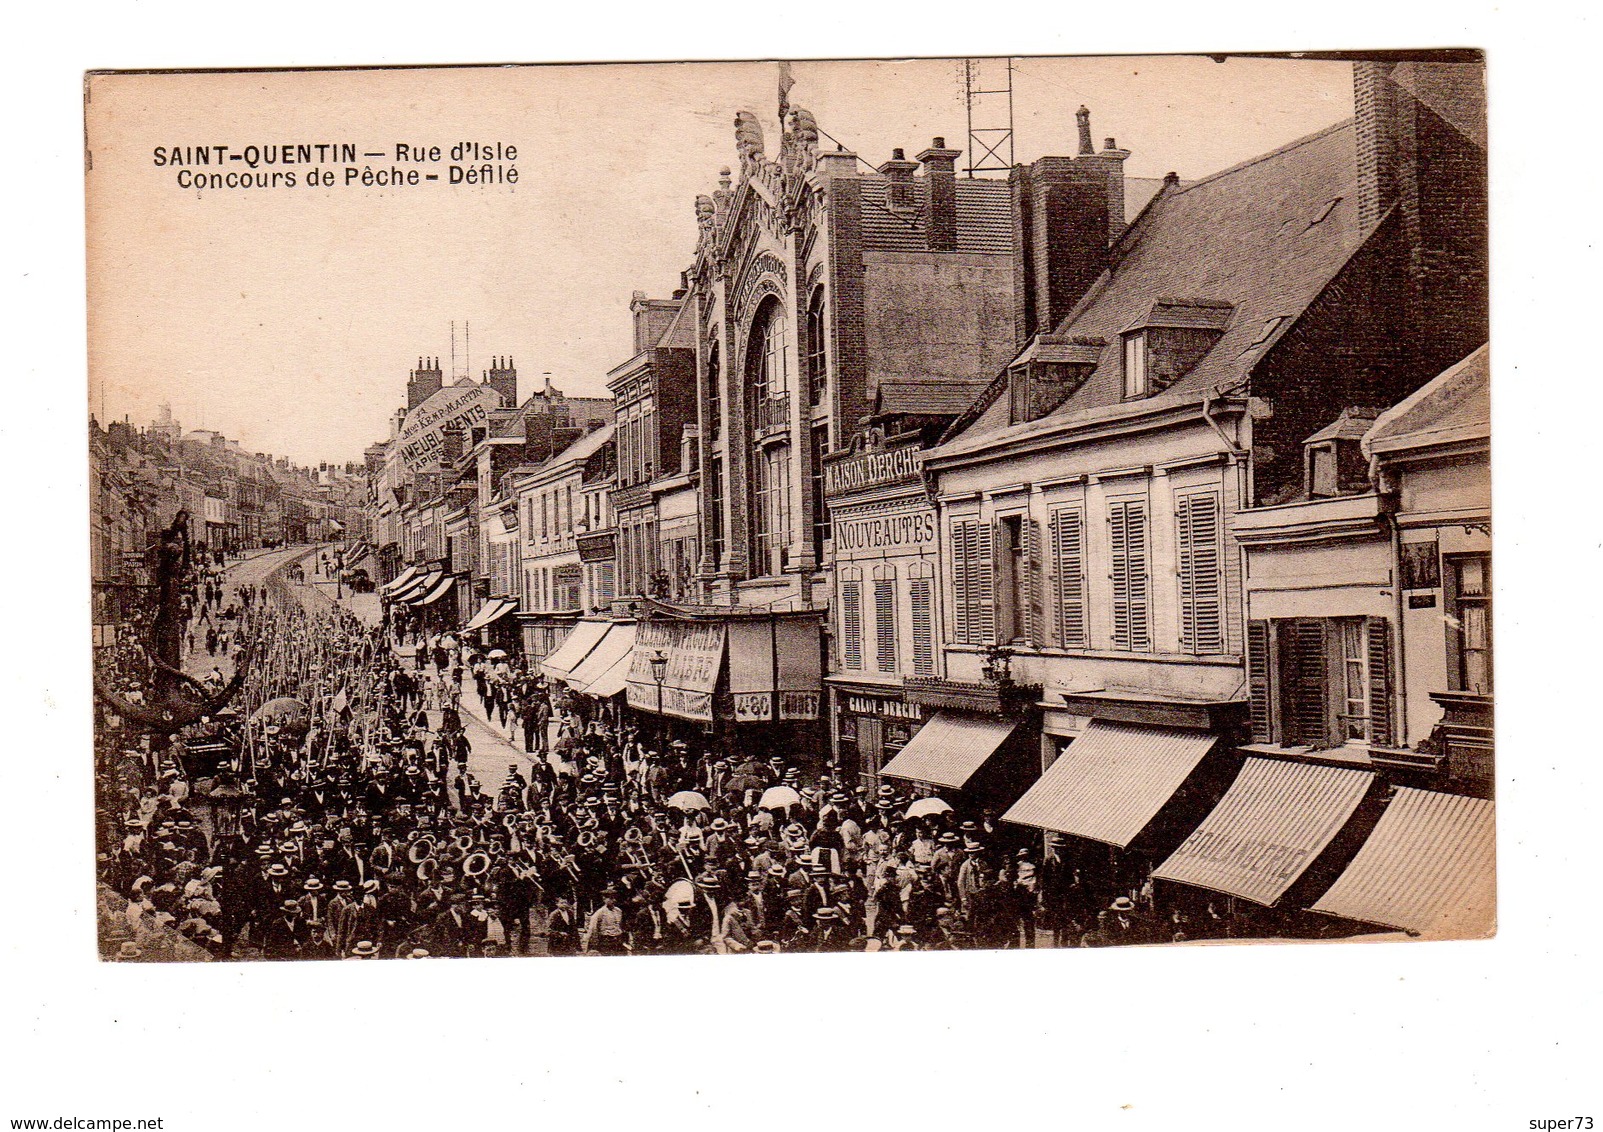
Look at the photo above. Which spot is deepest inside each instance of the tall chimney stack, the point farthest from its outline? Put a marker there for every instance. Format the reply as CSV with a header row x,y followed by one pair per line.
x,y
423,382
1083,117
503,378
940,175
899,171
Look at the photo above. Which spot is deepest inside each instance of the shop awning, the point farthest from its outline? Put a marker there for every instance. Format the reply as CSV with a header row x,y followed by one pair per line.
x,y
584,636
613,680
1111,781
1268,828
428,597
1428,867
418,586
949,748
617,645
773,664
694,655
400,580
491,610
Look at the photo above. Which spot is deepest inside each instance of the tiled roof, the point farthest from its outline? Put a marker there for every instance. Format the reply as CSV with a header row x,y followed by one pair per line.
x,y
984,217
1265,236
586,446
1350,425
1455,405
927,398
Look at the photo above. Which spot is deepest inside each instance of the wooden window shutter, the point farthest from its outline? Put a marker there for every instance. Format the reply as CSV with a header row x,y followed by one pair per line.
x,y
885,622
1128,540
1306,670
921,599
1118,575
851,620
1259,686
1201,616
961,599
1068,564
1380,683
982,583
1034,613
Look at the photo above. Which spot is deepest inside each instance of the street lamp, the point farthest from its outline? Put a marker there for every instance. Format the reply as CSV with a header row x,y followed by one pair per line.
x,y
659,671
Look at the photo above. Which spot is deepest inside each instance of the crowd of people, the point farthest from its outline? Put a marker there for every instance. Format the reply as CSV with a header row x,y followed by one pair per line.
x,y
343,820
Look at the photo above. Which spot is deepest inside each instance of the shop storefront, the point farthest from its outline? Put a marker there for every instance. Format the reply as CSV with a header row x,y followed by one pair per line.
x,y
494,626
872,724
976,747
1124,778
748,679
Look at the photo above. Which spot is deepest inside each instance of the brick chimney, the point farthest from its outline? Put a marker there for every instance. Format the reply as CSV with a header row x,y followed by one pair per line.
x,y
450,447
1111,163
940,175
899,171
1420,139
537,429
652,317
1066,213
424,382
502,377
1060,239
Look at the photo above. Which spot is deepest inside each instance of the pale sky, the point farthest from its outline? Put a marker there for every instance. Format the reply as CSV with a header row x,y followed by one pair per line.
x,y
288,318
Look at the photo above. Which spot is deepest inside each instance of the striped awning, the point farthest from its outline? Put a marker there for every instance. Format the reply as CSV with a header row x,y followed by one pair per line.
x,y
584,636
400,580
1429,867
1111,781
613,680
418,586
948,749
1269,827
432,594
490,611
618,644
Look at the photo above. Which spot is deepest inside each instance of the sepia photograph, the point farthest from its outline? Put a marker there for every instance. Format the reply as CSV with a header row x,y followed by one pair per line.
x,y
829,566
996,503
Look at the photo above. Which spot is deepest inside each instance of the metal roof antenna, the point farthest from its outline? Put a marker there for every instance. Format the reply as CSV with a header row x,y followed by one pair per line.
x,y
988,98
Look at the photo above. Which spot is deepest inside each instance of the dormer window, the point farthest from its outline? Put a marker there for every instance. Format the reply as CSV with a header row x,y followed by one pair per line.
x,y
1322,476
1049,371
1333,462
1167,341
1135,364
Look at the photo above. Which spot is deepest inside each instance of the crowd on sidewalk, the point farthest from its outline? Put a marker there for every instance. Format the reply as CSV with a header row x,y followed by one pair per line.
x,y
348,824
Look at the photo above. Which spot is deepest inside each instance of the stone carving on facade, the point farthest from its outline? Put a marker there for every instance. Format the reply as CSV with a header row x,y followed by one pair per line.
x,y
765,274
748,139
798,149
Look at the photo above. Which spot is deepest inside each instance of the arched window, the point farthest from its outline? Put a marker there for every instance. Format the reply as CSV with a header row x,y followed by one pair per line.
x,y
715,400
817,355
768,412
768,357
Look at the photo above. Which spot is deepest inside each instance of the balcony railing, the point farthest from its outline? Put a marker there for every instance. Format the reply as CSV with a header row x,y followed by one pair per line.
x,y
773,414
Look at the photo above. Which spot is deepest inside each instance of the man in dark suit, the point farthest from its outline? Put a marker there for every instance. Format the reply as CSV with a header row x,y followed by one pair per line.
x,y
284,935
454,931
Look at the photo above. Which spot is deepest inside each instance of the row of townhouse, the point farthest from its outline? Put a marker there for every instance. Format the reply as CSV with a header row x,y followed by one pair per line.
x,y
1099,502
1206,568
477,500
141,478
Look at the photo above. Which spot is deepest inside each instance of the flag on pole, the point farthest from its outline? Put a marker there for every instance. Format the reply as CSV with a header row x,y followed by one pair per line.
x,y
786,81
